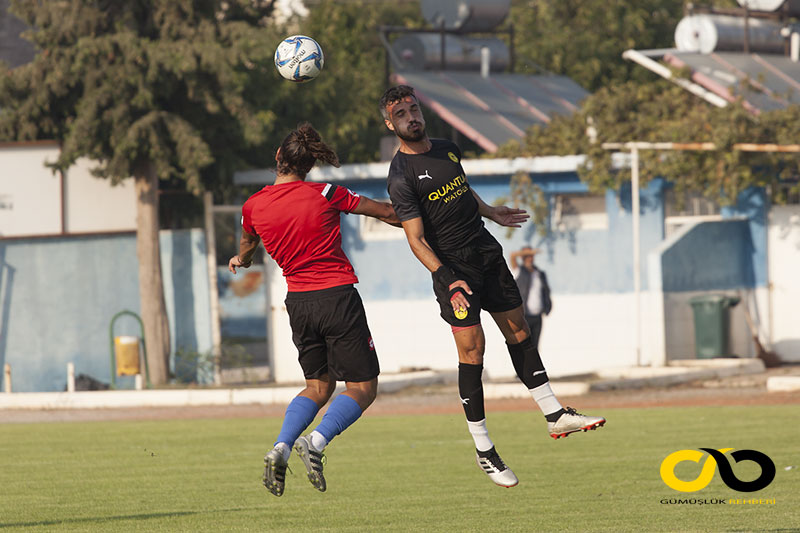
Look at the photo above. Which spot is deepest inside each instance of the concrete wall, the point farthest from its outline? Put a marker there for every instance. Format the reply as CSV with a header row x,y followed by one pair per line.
x,y
591,276
36,201
590,273
709,256
48,285
58,295
725,257
780,325
30,193
93,204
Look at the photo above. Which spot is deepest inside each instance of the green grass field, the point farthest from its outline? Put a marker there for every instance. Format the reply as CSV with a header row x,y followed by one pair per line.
x,y
395,473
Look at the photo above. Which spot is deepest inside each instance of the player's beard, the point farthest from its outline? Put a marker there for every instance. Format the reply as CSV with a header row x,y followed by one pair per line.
x,y
413,137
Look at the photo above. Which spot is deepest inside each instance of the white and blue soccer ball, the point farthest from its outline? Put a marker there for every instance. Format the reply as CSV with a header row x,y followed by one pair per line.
x,y
299,58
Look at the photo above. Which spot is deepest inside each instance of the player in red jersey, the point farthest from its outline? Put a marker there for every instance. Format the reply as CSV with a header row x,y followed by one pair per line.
x,y
298,222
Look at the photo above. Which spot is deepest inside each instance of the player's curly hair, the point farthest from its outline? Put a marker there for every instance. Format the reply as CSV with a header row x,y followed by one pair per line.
x,y
301,149
395,94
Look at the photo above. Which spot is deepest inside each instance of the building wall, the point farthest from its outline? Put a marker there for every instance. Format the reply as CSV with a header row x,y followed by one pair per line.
x,y
726,257
590,273
709,256
592,325
47,285
779,326
58,295
680,322
94,204
30,193
35,200
410,334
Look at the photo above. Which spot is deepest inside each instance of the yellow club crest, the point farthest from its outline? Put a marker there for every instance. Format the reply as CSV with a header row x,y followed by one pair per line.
x,y
461,313
452,157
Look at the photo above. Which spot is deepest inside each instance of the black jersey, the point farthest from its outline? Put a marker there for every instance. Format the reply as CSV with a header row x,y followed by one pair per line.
x,y
434,186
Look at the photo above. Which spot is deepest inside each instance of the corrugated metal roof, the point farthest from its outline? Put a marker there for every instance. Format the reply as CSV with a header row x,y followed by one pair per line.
x,y
764,81
491,111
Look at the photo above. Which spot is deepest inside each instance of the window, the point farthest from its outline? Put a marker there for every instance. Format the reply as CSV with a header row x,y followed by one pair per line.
x,y
572,212
693,207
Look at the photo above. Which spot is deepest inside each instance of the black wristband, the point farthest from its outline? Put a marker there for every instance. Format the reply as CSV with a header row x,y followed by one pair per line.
x,y
444,276
456,290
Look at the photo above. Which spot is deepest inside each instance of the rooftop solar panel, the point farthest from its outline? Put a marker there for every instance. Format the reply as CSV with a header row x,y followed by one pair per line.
x,y
497,101
491,111
456,108
764,81
536,95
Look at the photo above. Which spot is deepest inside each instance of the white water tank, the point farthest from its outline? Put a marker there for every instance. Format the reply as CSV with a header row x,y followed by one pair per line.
x,y
717,33
789,7
465,15
422,51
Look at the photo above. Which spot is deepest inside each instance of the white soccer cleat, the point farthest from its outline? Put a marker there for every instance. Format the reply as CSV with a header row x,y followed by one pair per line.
x,y
572,421
496,469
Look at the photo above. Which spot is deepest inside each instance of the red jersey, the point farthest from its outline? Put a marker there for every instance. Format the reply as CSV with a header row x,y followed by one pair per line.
x,y
298,222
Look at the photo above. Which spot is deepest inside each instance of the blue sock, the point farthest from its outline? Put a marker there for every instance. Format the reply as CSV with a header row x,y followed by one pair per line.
x,y
299,414
340,415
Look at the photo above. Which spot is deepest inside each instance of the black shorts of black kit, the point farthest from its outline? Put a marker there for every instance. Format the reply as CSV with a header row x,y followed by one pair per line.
x,y
329,328
482,265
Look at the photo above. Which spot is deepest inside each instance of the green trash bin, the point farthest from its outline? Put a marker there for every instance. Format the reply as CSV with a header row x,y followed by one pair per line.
x,y
711,324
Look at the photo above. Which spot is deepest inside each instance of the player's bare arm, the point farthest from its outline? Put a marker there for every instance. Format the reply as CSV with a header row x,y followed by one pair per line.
x,y
502,214
381,210
247,247
415,234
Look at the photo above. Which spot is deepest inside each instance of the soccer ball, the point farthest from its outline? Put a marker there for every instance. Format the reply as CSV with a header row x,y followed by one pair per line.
x,y
299,58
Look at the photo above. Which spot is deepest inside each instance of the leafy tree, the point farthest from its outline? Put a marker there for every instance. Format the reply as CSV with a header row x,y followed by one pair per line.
x,y
342,102
585,40
154,89
663,112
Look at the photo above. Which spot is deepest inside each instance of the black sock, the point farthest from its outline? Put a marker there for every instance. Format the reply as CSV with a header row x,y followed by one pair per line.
x,y
470,389
552,417
527,363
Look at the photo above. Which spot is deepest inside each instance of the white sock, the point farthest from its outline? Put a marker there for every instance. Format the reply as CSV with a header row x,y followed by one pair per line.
x,y
480,435
318,441
544,397
285,450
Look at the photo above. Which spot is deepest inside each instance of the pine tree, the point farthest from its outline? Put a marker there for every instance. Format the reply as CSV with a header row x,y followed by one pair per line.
x,y
153,89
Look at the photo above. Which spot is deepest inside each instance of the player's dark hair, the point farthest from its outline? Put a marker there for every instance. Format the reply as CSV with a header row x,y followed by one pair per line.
x,y
395,94
301,149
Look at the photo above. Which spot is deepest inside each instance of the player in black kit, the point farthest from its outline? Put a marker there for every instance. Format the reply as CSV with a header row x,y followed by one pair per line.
x,y
442,219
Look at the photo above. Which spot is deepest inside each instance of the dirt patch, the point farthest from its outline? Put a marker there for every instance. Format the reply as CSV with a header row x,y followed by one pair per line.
x,y
737,390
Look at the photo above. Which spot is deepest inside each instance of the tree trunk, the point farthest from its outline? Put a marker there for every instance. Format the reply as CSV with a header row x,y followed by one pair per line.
x,y
151,287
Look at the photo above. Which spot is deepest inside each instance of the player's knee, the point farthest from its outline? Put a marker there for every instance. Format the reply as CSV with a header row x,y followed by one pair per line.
x,y
370,395
519,335
471,355
320,391
364,393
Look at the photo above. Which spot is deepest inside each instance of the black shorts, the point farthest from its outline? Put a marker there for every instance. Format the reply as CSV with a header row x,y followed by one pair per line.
x,y
482,265
329,328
